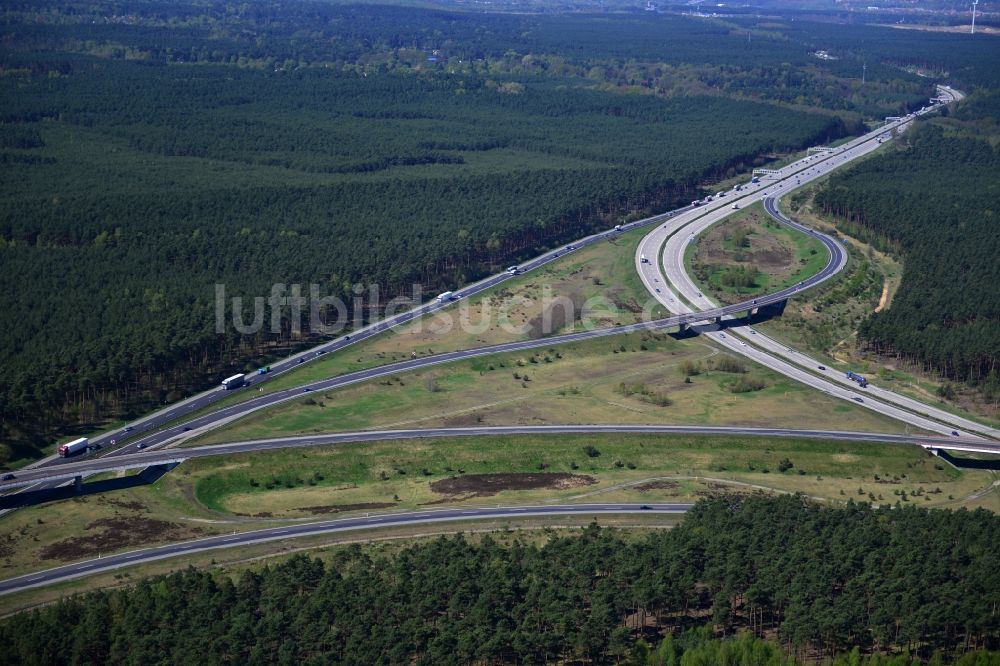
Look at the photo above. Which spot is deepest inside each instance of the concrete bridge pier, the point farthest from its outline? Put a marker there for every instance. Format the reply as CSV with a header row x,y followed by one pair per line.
x,y
773,309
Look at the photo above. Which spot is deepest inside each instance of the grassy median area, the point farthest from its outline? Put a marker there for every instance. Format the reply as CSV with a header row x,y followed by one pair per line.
x,y
749,254
637,378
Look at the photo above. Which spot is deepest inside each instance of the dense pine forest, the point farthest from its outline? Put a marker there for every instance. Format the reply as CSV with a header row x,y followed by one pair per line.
x,y
935,201
149,151
817,582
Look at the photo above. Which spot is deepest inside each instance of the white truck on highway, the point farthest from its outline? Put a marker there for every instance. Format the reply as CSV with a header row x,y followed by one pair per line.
x,y
77,445
235,381
446,296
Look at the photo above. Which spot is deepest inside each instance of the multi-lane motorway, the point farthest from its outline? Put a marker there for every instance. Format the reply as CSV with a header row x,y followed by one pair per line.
x,y
398,519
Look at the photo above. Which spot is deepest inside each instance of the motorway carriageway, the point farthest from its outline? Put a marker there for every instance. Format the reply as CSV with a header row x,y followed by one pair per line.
x,y
396,519
142,459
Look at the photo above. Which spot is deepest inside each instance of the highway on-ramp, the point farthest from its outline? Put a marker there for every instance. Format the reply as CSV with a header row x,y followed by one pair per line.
x,y
381,520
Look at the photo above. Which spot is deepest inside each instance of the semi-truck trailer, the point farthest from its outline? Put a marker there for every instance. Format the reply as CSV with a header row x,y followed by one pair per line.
x,y
446,296
855,377
77,445
235,381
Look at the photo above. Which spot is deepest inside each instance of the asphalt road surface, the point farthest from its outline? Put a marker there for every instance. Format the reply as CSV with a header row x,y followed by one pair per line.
x,y
84,466
679,294
396,519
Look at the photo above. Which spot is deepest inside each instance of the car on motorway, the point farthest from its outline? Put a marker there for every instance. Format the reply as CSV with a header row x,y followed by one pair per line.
x,y
128,428
301,360
140,445
722,335
645,507
954,433
8,477
306,389
821,367
657,290
743,343
858,399
321,351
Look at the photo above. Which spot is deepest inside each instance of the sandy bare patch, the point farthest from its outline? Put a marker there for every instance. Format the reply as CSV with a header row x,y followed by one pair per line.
x,y
484,485
657,485
115,534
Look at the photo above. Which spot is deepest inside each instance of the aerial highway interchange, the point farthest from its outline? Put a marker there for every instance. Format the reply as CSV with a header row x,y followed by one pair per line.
x,y
147,441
